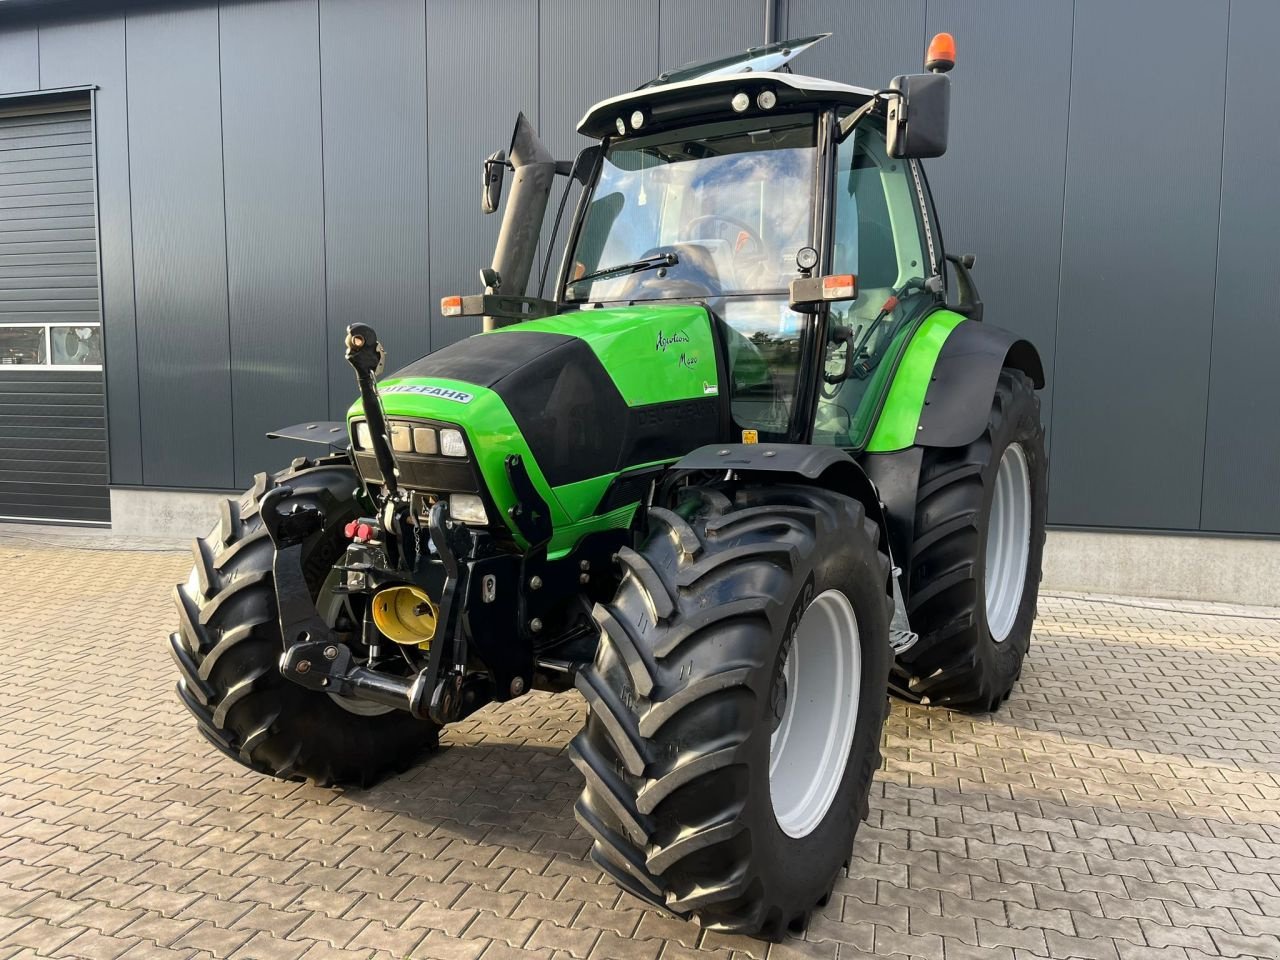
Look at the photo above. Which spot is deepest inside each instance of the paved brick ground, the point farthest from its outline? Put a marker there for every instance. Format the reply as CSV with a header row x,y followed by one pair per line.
x,y
1124,804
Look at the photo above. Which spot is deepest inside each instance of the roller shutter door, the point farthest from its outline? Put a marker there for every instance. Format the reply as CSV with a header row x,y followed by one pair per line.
x,y
53,431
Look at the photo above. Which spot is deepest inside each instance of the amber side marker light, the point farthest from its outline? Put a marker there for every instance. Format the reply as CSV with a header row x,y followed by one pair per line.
x,y
839,287
451,306
941,56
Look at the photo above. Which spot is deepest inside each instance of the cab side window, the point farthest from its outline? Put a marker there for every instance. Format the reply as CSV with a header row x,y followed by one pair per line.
x,y
878,235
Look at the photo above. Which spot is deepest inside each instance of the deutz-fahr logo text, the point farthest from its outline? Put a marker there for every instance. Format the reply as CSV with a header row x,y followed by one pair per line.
x,y
444,393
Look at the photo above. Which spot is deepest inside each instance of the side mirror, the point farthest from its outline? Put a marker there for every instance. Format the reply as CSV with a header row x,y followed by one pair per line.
x,y
918,117
495,167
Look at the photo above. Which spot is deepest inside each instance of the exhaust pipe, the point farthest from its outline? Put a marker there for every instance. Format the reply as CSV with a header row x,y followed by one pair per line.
x,y
535,172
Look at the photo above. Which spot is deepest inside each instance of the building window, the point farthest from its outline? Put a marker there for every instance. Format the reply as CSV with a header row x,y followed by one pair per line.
x,y
50,346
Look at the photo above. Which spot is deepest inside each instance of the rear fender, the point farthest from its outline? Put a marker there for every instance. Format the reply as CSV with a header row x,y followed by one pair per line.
x,y
957,404
821,466
943,397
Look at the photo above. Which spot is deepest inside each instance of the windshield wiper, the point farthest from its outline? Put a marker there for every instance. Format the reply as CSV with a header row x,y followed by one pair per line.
x,y
635,266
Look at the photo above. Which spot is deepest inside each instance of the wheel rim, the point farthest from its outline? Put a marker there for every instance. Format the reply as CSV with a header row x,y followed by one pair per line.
x,y
1008,542
810,747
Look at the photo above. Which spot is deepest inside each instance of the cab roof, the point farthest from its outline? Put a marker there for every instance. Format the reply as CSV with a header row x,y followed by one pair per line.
x,y
705,90
711,95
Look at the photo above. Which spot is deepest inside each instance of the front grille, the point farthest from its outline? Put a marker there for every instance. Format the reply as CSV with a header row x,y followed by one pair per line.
x,y
427,473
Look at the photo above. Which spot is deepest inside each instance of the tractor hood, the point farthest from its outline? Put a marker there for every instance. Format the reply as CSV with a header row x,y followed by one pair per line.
x,y
581,397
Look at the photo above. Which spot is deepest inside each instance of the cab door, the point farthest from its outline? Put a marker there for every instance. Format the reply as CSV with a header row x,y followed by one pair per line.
x,y
880,234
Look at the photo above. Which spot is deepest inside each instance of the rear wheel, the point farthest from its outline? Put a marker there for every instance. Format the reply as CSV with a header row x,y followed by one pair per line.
x,y
975,560
736,703
228,645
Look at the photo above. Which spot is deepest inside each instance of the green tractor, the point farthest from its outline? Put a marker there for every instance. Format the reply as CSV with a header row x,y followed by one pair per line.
x,y
748,469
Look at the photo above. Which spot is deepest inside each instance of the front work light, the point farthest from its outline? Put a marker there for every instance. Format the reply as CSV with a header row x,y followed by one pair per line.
x,y
468,508
622,127
740,102
767,100
364,439
451,443
401,437
424,440
637,119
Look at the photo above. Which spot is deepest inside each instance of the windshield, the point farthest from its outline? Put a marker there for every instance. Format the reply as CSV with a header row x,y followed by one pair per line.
x,y
731,201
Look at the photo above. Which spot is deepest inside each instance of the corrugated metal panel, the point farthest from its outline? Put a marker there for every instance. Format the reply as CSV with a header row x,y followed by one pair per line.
x,y
874,41
1242,455
576,72
179,247
275,226
472,104
373,80
1142,199
692,30
19,60
92,52
52,421
999,187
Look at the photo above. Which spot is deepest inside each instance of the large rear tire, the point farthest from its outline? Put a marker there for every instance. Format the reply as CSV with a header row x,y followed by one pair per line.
x,y
976,558
228,645
735,705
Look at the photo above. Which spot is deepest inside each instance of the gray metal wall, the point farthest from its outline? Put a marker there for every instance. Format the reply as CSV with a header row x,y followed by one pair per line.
x,y
270,171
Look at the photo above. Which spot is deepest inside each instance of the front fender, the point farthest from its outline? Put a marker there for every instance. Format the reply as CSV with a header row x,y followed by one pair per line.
x,y
821,466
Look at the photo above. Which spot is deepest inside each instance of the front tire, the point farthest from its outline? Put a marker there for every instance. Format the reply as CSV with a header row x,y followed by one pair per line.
x,y
228,646
735,705
976,558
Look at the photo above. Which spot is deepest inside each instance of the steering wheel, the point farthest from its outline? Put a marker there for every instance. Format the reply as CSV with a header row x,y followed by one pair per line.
x,y
694,225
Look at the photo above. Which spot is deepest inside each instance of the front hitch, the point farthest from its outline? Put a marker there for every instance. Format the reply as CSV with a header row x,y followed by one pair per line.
x,y
316,659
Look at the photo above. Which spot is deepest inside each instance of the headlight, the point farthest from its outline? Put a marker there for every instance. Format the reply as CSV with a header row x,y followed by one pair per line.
x,y
401,437
424,440
451,443
468,508
364,439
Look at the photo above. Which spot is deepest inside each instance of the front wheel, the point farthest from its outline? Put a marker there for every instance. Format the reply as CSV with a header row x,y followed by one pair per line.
x,y
228,645
975,560
736,703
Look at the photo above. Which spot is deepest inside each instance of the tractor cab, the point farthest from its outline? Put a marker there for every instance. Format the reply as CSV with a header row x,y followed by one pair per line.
x,y
778,202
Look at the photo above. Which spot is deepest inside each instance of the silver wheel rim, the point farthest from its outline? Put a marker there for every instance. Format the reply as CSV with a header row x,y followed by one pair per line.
x,y
1008,542
810,748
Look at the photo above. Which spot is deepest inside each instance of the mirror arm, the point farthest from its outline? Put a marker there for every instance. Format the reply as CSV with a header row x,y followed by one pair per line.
x,y
851,120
